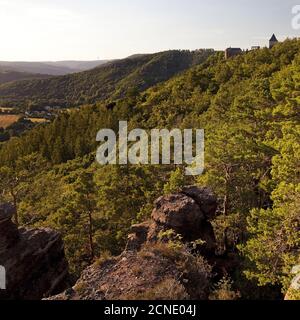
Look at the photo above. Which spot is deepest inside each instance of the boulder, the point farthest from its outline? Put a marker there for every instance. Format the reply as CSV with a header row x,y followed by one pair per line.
x,y
187,213
205,199
180,213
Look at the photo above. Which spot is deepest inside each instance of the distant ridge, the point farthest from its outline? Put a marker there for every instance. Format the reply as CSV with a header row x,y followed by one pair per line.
x,y
54,68
110,80
7,75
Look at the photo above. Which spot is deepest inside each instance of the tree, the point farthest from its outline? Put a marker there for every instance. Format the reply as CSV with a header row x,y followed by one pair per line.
x,y
235,164
176,182
83,192
273,245
15,181
274,234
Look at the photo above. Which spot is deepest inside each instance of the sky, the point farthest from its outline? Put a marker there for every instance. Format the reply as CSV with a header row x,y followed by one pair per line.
x,y
52,30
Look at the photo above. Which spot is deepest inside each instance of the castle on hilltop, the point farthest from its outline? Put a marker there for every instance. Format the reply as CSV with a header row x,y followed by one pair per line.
x,y
273,41
232,52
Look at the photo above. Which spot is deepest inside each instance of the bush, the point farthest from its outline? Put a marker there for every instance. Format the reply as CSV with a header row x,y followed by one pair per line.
x,y
223,290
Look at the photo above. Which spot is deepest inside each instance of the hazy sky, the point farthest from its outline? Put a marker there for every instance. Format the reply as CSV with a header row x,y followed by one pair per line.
x,y
90,29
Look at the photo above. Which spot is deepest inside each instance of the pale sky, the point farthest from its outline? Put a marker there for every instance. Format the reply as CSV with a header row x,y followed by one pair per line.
x,y
44,30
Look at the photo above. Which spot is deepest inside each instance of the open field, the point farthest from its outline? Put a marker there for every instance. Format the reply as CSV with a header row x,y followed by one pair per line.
x,y
37,120
5,109
6,120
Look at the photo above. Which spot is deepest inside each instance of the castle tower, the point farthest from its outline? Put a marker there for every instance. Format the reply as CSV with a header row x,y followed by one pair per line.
x,y
232,52
273,41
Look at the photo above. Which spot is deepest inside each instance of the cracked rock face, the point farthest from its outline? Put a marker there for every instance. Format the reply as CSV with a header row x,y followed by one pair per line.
x,y
34,260
178,212
205,199
187,213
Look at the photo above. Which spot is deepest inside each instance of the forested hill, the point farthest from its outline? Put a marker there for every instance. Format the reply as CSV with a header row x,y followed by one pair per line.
x,y
249,107
53,68
112,80
7,75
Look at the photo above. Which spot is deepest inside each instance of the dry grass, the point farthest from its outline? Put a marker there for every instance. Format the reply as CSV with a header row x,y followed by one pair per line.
x,y
223,290
166,250
105,257
6,120
137,270
168,289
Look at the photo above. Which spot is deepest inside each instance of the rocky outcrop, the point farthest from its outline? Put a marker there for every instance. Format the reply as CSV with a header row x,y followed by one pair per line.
x,y
187,213
294,290
34,260
205,199
157,272
151,268
179,213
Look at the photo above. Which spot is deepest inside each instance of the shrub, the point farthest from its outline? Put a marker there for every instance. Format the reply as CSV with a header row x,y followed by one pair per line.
x,y
223,290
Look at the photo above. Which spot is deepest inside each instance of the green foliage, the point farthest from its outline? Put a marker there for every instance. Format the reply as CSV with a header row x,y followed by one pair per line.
x,y
274,241
15,181
110,81
273,246
176,182
249,108
173,240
